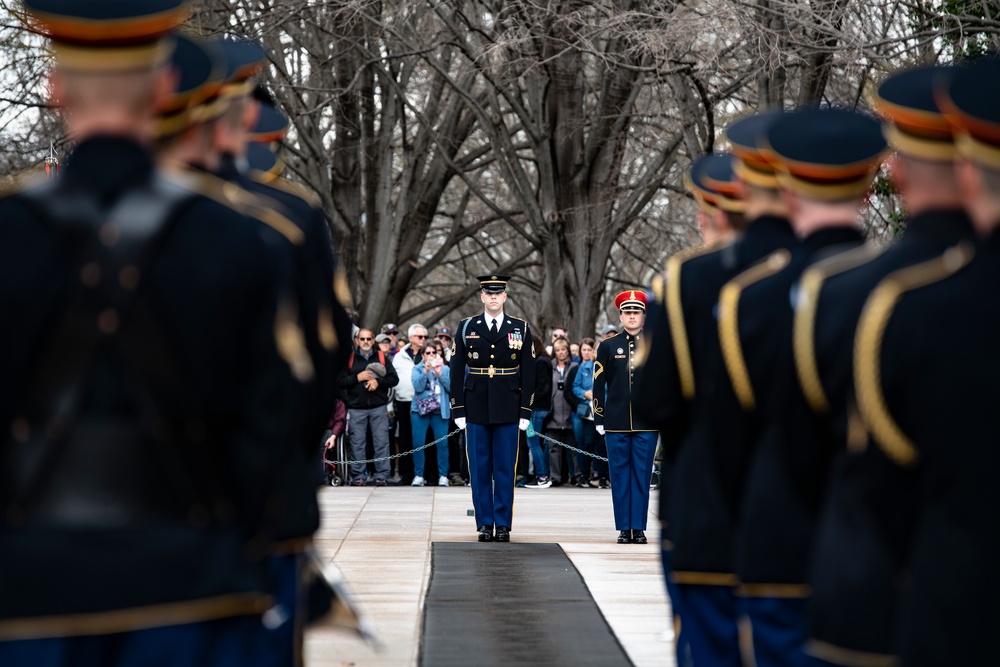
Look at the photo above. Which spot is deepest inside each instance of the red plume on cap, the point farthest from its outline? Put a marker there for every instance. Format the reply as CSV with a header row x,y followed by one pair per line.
x,y
631,299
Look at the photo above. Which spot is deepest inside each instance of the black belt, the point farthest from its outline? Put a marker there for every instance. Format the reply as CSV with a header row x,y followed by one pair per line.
x,y
491,371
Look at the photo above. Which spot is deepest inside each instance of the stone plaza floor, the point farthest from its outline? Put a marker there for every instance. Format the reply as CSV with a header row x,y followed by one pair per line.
x,y
381,538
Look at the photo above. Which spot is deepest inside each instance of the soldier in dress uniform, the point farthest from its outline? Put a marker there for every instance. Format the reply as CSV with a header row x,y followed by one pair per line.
x,y
322,317
777,465
492,390
925,375
630,439
144,386
185,128
854,586
713,185
683,391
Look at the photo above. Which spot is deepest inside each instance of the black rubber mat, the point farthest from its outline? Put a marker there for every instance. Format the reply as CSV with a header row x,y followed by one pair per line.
x,y
512,604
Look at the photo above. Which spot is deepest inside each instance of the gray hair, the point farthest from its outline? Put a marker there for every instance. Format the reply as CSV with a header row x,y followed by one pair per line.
x,y
413,329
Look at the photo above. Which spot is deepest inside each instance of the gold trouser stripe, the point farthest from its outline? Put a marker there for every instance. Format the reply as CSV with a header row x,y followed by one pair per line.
x,y
729,323
136,618
773,591
868,347
839,655
705,578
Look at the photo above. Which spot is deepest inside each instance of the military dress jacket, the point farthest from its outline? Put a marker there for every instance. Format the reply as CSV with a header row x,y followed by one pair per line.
x,y
855,574
778,468
492,377
925,375
327,330
168,465
615,371
683,341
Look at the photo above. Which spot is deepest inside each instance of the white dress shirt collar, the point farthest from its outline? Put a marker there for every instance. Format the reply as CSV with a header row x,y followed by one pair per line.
x,y
489,319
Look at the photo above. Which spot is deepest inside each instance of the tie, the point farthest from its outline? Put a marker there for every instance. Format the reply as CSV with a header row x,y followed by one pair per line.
x,y
493,328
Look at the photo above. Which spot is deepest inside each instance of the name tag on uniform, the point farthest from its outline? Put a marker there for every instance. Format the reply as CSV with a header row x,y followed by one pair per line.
x,y
472,335
620,356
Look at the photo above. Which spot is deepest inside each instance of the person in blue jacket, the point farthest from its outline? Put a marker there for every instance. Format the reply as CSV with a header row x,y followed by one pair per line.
x,y
431,409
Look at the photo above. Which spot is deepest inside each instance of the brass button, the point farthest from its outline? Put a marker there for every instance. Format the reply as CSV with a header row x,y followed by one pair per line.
x,y
20,429
492,345
90,274
107,321
128,277
109,234
491,356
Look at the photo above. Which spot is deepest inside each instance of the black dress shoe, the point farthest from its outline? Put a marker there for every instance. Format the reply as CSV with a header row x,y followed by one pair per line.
x,y
486,533
624,537
638,537
503,534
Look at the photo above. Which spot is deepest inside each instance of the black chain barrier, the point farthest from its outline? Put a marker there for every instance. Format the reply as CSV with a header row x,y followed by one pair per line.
x,y
445,437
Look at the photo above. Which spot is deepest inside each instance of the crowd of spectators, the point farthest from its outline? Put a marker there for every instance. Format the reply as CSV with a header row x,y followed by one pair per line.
x,y
416,410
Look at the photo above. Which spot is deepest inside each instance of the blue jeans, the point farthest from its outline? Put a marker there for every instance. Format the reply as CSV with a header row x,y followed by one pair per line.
x,y
439,426
585,434
539,448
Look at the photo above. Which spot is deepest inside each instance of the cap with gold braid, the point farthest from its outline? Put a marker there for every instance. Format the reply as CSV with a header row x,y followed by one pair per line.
x,y
494,284
971,101
199,68
826,154
107,35
244,59
631,300
271,125
918,127
713,183
752,164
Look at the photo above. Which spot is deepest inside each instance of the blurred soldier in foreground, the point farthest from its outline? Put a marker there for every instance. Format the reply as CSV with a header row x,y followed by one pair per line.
x,y
713,185
925,371
492,386
826,161
143,386
683,391
856,572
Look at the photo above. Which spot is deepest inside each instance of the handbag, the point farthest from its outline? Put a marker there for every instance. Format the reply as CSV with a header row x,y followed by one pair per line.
x,y
426,406
432,403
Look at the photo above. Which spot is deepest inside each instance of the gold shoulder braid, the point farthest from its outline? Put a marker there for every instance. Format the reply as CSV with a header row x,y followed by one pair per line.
x,y
675,313
290,342
729,323
868,347
804,327
234,197
303,192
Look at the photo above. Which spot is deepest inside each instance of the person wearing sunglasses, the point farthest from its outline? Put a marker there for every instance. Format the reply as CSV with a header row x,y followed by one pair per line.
x,y
366,384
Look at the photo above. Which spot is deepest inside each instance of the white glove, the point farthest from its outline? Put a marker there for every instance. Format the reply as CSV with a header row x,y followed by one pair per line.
x,y
600,429
523,424
460,422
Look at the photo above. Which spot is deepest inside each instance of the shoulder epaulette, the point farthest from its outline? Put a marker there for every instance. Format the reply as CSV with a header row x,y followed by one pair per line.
x,y
868,346
729,324
804,327
675,314
291,187
234,197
